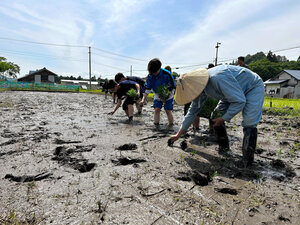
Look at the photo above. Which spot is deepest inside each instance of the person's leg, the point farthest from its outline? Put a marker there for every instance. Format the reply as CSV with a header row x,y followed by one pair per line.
x,y
156,116
249,145
170,117
252,113
220,131
130,112
168,106
196,123
125,106
139,108
157,105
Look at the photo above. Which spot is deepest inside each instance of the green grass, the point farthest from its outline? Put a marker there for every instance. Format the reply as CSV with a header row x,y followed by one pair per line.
x,y
91,91
282,102
278,105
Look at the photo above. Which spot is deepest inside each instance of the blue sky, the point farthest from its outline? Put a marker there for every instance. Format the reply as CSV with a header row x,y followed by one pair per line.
x,y
180,33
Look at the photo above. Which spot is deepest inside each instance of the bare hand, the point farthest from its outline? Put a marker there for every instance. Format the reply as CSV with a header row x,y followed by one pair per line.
x,y
111,113
218,122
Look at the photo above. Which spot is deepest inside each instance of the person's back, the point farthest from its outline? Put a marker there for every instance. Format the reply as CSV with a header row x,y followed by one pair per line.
x,y
139,80
236,75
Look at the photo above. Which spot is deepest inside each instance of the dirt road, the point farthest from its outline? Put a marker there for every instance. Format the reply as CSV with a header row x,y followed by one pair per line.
x,y
65,161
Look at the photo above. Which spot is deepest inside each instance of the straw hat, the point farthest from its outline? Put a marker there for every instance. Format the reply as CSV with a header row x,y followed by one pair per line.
x,y
190,85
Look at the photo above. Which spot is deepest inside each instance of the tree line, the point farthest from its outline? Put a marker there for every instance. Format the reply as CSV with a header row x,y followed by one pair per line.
x,y
268,66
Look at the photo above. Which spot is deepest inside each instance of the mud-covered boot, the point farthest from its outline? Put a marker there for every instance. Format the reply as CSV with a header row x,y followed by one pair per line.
x,y
222,138
249,145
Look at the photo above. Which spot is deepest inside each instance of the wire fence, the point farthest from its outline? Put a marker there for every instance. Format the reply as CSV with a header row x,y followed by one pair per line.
x,y
13,85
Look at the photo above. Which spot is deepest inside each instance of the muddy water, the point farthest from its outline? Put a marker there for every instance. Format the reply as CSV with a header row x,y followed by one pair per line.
x,y
67,162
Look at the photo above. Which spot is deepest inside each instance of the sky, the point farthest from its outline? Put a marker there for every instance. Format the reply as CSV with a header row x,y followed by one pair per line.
x,y
125,34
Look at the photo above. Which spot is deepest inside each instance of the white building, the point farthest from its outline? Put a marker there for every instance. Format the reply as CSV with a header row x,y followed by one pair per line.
x,y
284,85
84,84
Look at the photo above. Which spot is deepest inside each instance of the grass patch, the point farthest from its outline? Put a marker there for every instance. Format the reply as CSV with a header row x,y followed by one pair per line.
x,y
282,107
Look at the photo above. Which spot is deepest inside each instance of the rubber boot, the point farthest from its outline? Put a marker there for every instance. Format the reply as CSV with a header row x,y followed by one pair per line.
x,y
222,138
249,145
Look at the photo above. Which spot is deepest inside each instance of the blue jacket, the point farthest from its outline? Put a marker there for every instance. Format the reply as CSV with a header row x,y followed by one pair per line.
x,y
163,78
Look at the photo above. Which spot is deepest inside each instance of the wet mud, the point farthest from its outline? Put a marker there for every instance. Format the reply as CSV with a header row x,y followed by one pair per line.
x,y
64,160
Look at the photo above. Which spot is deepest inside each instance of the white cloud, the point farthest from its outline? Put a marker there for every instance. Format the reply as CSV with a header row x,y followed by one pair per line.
x,y
223,24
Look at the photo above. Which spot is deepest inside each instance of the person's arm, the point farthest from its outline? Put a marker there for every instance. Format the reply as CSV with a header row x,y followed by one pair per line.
x,y
119,102
194,110
138,90
232,92
148,87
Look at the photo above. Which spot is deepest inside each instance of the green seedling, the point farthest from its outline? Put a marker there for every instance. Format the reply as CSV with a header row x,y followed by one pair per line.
x,y
214,174
193,152
292,150
132,93
181,157
280,152
203,144
163,93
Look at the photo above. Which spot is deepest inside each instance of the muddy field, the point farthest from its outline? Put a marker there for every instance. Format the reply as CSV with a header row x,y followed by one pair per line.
x,y
65,161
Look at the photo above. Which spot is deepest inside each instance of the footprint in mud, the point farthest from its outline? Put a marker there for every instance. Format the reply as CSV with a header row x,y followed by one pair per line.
x,y
27,178
62,155
280,165
127,147
230,191
59,141
127,161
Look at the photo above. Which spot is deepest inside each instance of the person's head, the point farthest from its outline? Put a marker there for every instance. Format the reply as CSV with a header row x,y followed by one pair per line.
x,y
112,86
119,77
241,60
168,68
210,66
154,66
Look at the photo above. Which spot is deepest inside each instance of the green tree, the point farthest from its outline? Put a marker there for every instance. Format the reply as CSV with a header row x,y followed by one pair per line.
x,y
272,57
8,69
267,69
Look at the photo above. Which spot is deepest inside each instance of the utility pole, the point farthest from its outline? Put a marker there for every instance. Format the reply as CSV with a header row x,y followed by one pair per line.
x,y
217,47
131,70
90,68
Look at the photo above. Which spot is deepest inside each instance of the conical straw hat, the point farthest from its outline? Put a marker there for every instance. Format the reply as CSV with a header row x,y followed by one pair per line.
x,y
190,85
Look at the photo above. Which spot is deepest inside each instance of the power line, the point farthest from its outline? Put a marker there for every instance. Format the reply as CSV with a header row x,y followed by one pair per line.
x,y
124,56
112,58
32,54
43,43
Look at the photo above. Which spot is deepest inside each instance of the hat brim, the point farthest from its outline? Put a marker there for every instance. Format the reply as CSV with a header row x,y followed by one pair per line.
x,y
191,85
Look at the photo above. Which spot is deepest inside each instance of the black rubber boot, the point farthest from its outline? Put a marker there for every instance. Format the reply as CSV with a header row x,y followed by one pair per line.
x,y
222,138
249,145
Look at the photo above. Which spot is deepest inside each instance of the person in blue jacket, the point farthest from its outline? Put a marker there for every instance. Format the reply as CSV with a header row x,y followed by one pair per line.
x,y
238,88
158,78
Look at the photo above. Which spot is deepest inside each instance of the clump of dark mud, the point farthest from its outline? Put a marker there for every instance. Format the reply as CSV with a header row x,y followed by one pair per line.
x,y
28,178
278,164
183,145
62,155
127,161
195,176
230,191
59,142
126,147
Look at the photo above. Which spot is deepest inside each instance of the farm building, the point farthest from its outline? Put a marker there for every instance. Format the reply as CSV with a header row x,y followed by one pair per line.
x,y
39,76
84,84
284,85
